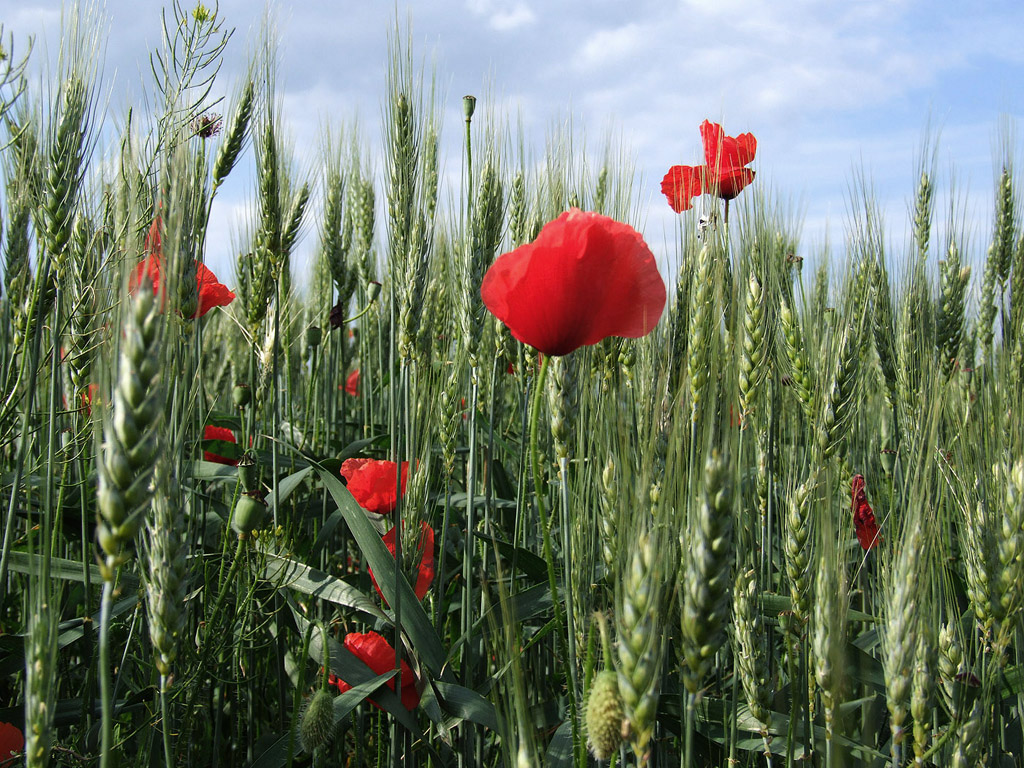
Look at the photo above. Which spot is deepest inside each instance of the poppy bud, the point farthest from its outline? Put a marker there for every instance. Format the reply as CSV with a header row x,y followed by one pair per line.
x,y
241,395
468,107
317,724
314,336
373,291
249,513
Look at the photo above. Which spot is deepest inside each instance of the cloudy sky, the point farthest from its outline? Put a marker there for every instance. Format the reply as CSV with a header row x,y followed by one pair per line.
x,y
833,91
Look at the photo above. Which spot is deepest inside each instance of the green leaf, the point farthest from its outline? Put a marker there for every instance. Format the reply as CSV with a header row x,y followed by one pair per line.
x,y
286,486
467,704
393,584
291,574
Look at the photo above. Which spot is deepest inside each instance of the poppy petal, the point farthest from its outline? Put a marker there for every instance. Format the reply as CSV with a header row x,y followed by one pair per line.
x,y
372,483
584,278
721,151
681,184
212,432
352,384
425,567
378,654
863,516
212,293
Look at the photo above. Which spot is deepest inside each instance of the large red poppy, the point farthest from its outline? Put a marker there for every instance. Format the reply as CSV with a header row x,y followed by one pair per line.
x,y
219,433
863,516
425,567
372,483
376,653
586,277
12,742
212,293
723,173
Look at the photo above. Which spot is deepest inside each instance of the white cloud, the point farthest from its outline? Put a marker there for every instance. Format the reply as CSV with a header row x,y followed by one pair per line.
x,y
503,15
518,16
611,46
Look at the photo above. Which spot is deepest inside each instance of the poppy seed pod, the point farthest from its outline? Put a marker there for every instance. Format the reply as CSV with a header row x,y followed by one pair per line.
x,y
468,106
248,514
249,471
314,336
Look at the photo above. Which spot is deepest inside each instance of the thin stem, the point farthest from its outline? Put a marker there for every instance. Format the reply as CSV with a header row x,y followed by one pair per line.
x,y
545,525
106,704
166,721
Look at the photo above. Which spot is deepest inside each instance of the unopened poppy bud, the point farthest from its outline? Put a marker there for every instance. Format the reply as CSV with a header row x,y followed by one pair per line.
x,y
468,107
314,336
241,395
249,471
249,513
373,291
317,725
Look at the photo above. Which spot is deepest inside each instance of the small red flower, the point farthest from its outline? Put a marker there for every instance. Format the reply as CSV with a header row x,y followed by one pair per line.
x,y
12,742
352,383
864,517
372,483
425,568
212,293
586,277
376,653
723,173
219,433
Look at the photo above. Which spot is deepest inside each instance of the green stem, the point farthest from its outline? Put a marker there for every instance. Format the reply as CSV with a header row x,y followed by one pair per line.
x,y
545,525
165,718
107,758
691,707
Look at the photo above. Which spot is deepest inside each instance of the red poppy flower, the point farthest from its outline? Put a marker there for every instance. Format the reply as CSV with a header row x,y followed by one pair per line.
x,y
212,293
352,383
586,277
723,173
376,653
372,483
425,569
12,742
219,433
864,517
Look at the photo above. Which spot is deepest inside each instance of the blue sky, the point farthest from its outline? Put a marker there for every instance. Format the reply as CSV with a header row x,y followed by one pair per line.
x,y
829,89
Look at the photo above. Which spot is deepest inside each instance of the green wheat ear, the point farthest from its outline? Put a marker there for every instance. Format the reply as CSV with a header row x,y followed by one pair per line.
x,y
130,435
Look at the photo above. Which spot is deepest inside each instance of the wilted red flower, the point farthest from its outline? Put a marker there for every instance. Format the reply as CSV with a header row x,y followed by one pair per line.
x,y
586,277
352,383
864,517
425,568
12,742
212,293
219,433
723,173
372,483
376,653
